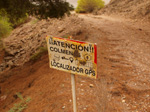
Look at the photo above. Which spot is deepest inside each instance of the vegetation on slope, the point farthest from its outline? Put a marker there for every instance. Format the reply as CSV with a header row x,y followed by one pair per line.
x,y
18,10
89,5
5,26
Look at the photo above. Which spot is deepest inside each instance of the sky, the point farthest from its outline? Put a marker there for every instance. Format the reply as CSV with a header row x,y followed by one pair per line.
x,y
74,2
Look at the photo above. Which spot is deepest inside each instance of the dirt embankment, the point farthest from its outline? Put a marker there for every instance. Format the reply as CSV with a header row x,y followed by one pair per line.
x,y
135,9
49,89
27,39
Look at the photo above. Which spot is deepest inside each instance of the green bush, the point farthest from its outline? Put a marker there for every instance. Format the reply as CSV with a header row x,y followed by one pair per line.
x,y
16,21
89,5
43,9
16,10
5,26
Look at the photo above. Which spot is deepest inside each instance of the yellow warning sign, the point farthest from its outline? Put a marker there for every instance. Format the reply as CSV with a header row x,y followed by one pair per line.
x,y
72,56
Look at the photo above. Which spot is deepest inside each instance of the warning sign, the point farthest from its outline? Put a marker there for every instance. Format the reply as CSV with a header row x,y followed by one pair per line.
x,y
73,56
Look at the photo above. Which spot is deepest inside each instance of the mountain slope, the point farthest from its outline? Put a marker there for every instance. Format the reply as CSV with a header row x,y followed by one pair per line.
x,y
134,9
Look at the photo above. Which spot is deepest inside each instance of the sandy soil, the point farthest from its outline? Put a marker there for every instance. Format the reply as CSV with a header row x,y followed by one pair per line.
x,y
123,83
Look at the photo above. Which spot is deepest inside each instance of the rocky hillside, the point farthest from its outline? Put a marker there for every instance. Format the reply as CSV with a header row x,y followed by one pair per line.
x,y
134,9
27,39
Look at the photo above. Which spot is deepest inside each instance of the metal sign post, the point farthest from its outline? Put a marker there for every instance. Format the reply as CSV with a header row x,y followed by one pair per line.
x,y
74,92
73,83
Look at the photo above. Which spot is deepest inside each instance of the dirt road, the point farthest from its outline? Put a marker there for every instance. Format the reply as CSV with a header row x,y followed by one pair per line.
x,y
123,62
123,83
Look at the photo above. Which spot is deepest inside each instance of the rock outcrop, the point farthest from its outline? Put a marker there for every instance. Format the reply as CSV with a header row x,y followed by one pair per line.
x,y
25,40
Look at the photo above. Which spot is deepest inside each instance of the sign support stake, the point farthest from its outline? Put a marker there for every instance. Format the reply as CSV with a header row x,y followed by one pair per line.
x,y
73,92
73,83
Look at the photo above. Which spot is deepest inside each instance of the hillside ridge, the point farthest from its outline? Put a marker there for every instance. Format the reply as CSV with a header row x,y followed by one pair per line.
x,y
135,9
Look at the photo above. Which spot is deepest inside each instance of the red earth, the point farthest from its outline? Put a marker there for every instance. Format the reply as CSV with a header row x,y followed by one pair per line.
x,y
123,83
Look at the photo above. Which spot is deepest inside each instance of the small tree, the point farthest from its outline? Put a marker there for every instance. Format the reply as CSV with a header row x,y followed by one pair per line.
x,y
18,10
89,5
